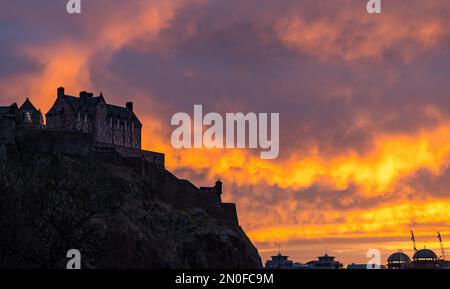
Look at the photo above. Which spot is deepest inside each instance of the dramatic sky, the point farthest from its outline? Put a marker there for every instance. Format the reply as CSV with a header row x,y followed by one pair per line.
x,y
364,103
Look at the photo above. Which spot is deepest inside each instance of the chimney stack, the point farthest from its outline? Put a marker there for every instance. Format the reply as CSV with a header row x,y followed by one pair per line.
x,y
129,105
84,95
60,92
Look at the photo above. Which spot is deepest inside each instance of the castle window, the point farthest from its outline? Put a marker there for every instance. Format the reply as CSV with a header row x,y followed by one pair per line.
x,y
110,122
132,127
27,116
79,117
125,125
86,118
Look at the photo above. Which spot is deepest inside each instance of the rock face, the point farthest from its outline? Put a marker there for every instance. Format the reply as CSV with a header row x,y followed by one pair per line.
x,y
116,216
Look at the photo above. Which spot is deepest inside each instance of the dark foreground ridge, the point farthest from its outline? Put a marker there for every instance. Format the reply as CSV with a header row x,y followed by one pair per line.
x,y
117,205
115,215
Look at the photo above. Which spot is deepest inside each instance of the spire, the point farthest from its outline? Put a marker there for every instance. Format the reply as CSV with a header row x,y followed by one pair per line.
x,y
279,250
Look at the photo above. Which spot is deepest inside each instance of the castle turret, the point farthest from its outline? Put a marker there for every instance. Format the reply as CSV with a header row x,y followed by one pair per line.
x,y
217,189
229,208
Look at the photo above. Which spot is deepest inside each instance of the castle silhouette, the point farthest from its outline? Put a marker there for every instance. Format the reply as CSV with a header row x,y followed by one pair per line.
x,y
76,124
88,126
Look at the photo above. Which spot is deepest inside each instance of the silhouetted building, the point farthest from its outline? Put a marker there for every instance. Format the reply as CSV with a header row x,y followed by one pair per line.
x,y
399,260
79,125
422,259
28,117
217,189
107,123
8,115
279,262
325,262
425,259
354,266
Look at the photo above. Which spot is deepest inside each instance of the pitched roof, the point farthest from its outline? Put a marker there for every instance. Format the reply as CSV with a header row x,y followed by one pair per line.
x,y
121,112
83,104
27,105
74,102
78,104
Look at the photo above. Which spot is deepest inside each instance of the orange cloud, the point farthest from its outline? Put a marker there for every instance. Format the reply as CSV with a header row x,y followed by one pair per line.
x,y
352,34
392,221
67,62
393,157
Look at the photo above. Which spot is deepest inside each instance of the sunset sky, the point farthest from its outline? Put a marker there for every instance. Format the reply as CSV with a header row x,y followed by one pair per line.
x,y
364,103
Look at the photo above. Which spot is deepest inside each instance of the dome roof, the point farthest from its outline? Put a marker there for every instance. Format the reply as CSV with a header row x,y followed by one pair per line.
x,y
398,257
424,254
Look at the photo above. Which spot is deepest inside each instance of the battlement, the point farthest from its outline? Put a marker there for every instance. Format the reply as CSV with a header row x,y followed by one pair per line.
x,y
81,144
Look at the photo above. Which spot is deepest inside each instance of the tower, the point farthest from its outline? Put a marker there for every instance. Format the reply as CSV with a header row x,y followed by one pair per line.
x,y
218,189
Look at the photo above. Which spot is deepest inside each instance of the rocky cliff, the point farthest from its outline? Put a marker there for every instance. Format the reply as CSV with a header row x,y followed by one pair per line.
x,y
117,216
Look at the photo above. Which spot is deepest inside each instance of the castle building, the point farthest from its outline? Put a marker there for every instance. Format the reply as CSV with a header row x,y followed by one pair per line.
x,y
108,124
77,125
8,116
12,118
28,117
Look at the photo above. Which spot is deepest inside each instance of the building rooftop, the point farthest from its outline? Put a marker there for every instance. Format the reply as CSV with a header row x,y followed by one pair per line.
x,y
424,254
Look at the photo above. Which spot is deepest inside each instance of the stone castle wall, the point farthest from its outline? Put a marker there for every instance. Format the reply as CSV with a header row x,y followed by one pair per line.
x,y
145,163
47,141
230,210
80,143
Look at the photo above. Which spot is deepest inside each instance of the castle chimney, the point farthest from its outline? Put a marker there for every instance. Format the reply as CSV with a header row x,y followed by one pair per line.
x,y
129,105
60,92
84,95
